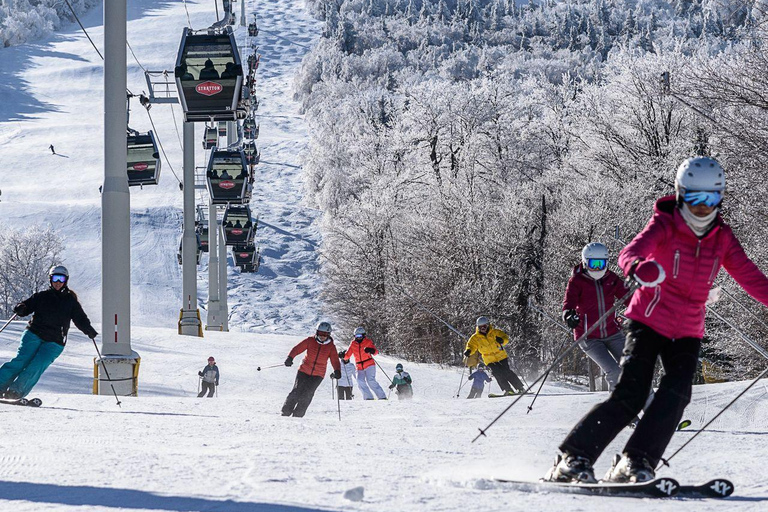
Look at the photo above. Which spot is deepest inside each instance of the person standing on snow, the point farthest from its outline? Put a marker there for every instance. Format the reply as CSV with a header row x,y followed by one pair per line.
x,y
210,376
363,350
478,378
591,291
43,340
490,342
675,260
402,380
344,384
320,349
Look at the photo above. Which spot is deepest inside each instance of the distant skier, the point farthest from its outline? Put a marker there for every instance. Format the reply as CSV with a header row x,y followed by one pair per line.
x,y
490,342
345,383
402,381
210,378
53,151
675,259
43,340
319,349
363,350
592,290
478,378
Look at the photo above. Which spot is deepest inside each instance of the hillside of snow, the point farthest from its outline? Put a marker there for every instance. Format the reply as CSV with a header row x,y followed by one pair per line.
x,y
170,451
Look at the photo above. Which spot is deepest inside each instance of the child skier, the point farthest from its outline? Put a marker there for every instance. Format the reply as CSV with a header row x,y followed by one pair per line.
x,y
210,377
402,380
490,342
478,378
320,349
43,340
675,260
344,384
591,290
363,350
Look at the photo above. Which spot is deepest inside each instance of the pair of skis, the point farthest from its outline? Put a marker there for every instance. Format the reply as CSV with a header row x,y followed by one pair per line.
x,y
658,488
31,402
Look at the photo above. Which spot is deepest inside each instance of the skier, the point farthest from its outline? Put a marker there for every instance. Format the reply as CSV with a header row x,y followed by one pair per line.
x,y
53,151
478,378
46,334
402,380
344,384
591,291
363,350
675,260
320,349
210,376
490,342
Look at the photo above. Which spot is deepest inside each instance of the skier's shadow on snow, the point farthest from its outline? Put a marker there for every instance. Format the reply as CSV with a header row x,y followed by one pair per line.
x,y
83,495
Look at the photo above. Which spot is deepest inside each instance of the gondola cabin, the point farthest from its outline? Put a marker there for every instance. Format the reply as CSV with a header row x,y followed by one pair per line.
x,y
211,137
198,252
209,76
244,254
202,233
238,226
222,130
249,148
253,29
250,128
227,177
143,159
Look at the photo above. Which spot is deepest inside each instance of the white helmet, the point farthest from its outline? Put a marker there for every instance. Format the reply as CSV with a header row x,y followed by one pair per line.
x,y
594,257
699,174
324,327
359,332
482,320
58,270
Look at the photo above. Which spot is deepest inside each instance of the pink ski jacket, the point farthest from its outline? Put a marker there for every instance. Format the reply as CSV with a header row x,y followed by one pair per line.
x,y
591,299
675,308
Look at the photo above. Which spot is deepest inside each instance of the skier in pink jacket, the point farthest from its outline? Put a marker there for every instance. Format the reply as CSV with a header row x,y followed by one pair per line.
x,y
675,260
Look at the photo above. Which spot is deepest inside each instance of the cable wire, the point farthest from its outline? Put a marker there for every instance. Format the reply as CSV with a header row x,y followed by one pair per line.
x,y
188,20
134,56
167,161
83,29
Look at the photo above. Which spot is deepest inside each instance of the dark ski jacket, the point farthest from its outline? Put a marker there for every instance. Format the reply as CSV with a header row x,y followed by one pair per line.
x,y
214,370
479,378
591,299
52,313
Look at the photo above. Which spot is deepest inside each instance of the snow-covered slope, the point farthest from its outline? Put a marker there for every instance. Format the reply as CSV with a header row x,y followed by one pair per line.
x,y
167,450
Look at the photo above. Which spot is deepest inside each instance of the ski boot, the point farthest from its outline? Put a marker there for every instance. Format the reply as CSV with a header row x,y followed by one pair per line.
x,y
629,469
11,395
571,468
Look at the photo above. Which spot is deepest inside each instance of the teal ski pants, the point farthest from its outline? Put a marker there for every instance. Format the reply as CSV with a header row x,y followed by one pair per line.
x,y
20,374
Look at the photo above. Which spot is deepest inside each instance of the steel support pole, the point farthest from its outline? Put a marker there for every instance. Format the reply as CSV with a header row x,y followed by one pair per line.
x,y
189,319
242,13
116,208
223,306
214,321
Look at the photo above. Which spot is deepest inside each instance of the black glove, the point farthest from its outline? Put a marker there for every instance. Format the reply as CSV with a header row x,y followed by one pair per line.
x,y
336,374
391,386
499,340
20,309
571,318
467,353
369,350
93,335
200,373
289,361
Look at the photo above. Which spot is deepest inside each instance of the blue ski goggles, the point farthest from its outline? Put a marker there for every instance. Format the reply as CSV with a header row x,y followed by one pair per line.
x,y
596,263
58,278
709,198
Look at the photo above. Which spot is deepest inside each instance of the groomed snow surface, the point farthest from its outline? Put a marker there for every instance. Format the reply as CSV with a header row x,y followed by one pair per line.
x,y
170,451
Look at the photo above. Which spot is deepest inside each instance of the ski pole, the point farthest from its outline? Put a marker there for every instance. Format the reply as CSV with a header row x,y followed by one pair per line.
x,y
13,317
560,358
105,370
338,400
665,462
199,382
259,368
382,370
458,391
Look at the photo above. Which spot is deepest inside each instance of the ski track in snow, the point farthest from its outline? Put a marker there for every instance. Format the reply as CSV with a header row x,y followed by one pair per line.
x,y
167,450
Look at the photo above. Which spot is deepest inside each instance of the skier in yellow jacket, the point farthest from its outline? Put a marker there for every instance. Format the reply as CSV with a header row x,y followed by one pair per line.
x,y
490,342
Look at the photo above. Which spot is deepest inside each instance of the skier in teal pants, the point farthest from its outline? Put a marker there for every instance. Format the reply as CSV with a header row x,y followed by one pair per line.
x,y
46,334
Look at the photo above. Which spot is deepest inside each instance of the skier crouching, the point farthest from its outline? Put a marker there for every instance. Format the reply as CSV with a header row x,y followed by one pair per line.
x,y
402,380
675,259
43,340
490,342
320,349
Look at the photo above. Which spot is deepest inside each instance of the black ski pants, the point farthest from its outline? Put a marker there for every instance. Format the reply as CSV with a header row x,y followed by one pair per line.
x,y
475,393
301,395
504,375
208,387
345,392
650,438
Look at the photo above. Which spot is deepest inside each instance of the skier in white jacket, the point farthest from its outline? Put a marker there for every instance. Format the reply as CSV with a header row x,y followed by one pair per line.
x,y
344,384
